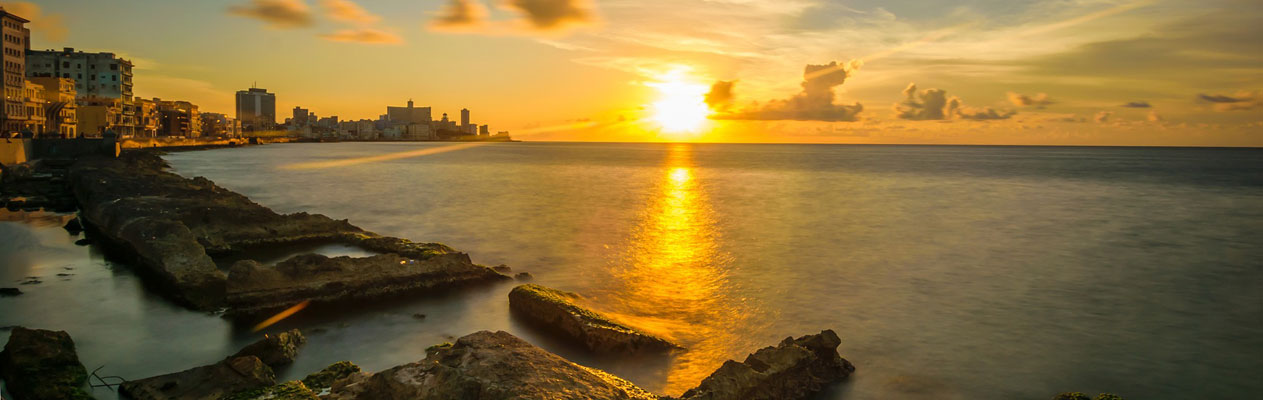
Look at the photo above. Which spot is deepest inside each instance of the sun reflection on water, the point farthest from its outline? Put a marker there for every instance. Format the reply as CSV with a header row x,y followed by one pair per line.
x,y
672,277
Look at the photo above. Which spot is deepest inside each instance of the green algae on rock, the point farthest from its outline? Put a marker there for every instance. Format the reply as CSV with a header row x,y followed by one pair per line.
x,y
292,390
39,364
324,378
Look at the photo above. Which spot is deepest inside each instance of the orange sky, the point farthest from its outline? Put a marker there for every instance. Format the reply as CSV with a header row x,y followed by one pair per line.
x,y
1084,72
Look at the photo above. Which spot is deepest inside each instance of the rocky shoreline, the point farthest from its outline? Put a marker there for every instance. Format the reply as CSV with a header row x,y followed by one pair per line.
x,y
173,228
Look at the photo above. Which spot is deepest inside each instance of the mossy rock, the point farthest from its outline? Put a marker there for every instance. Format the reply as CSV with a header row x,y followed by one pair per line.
x,y
1108,396
330,374
40,364
292,390
1084,396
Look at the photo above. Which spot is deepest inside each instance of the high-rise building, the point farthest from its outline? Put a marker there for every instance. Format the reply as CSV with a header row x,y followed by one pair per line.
x,y
408,115
13,117
300,116
96,74
256,109
464,117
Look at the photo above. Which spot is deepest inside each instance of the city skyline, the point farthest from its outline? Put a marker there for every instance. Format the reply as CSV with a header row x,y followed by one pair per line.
x,y
976,72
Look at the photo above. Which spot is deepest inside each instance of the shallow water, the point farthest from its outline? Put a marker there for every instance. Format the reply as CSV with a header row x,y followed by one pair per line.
x,y
949,272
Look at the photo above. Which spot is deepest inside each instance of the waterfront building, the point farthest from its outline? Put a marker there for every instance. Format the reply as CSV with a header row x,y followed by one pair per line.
x,y
484,130
60,118
178,118
300,116
98,115
256,109
102,75
148,120
408,115
13,116
33,105
464,117
220,125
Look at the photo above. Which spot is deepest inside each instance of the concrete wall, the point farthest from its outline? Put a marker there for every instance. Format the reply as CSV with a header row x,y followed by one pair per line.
x,y
16,151
167,142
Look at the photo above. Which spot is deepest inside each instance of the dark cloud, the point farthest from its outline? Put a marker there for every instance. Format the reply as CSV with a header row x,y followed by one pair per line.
x,y
1241,101
459,13
934,104
51,26
278,13
720,97
814,103
1038,100
552,14
1137,104
928,104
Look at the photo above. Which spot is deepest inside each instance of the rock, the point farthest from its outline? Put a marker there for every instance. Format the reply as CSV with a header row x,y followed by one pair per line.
x,y
211,382
173,226
275,350
31,281
418,316
1084,396
38,364
292,390
83,242
254,289
504,269
524,276
794,369
9,291
556,310
488,366
324,378
73,226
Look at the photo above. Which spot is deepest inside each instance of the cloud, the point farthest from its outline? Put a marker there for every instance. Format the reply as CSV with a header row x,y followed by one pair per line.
x,y
1241,101
926,105
720,95
1137,104
349,11
1103,116
934,104
1154,117
1039,100
277,13
552,14
363,35
460,13
814,103
51,26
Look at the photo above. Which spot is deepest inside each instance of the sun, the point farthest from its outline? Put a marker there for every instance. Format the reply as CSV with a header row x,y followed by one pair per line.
x,y
681,104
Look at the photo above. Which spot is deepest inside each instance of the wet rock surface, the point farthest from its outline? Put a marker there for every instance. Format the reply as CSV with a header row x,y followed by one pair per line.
x,y
40,364
211,382
488,366
793,369
292,390
275,350
173,226
10,291
253,288
325,378
557,311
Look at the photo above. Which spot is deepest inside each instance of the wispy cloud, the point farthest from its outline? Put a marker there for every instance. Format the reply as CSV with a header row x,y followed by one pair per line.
x,y
363,35
1241,101
276,13
1136,104
1039,100
51,26
553,14
349,11
459,14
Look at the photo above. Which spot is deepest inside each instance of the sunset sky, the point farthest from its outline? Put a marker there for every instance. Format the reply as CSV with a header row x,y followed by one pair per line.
x,y
1097,72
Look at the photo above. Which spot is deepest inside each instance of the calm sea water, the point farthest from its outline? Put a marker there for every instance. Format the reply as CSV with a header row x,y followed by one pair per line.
x,y
949,272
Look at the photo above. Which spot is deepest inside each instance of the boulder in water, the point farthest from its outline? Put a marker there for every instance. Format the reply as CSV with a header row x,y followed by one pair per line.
x,y
556,310
38,364
275,350
794,369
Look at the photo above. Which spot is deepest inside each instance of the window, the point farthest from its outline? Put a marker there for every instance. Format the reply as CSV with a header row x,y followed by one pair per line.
x,y
65,64
114,78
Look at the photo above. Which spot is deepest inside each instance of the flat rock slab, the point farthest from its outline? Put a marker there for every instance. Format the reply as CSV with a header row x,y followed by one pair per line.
x,y
556,310
38,364
253,288
211,382
488,366
793,369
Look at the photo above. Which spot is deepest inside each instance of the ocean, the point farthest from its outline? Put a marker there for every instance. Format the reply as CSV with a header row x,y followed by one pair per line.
x,y
949,272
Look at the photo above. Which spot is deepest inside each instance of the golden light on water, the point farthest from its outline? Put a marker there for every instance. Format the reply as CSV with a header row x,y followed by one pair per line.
x,y
680,108
381,157
672,278
280,316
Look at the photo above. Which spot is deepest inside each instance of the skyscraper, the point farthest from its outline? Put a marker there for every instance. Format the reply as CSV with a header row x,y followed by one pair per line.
x,y
256,109
464,117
